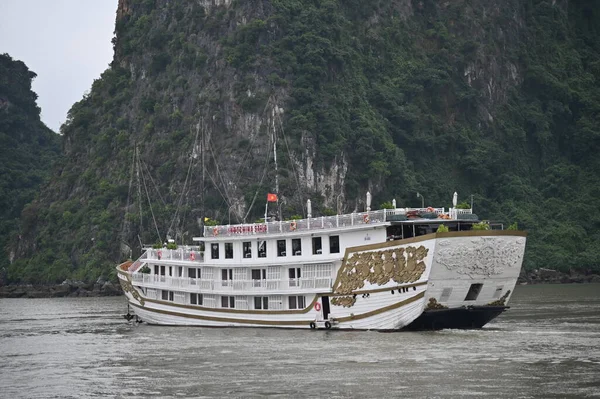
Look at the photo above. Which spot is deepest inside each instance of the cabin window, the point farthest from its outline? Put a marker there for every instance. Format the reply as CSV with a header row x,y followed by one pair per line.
x,y
196,299
162,270
226,277
281,248
474,291
317,245
261,302
262,249
170,271
257,276
228,250
214,251
192,273
296,246
296,302
228,302
295,274
167,295
156,269
247,249
334,244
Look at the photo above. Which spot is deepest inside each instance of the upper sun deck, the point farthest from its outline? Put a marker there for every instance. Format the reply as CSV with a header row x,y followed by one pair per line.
x,y
319,224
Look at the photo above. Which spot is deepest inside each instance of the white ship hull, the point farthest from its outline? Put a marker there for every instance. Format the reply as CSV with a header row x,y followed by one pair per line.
x,y
440,280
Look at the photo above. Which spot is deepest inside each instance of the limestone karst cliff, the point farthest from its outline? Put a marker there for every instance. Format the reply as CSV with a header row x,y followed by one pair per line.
x,y
27,148
498,99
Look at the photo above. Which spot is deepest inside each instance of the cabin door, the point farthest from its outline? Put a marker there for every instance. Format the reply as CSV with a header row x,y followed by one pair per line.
x,y
326,310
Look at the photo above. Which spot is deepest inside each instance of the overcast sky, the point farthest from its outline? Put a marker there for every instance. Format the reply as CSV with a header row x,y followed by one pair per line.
x,y
67,43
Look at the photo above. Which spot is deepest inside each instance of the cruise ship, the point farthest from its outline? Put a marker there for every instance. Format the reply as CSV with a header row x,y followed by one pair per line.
x,y
385,270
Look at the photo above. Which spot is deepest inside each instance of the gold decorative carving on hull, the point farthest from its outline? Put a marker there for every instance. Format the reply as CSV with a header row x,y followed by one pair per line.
x,y
128,287
501,301
434,304
402,265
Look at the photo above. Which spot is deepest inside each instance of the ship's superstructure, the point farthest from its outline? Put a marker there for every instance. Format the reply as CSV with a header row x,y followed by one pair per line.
x,y
389,269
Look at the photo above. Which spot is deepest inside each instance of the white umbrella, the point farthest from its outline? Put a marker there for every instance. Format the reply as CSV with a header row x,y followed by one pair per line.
x,y
368,201
309,208
454,199
394,203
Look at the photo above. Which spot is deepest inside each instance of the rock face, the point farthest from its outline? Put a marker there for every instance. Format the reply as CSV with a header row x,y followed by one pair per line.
x,y
393,97
66,289
543,275
27,150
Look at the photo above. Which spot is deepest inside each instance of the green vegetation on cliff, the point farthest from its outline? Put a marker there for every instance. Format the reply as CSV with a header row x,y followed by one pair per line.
x,y
27,148
499,99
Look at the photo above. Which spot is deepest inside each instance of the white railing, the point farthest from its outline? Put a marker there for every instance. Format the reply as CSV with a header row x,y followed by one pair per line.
x,y
279,227
197,285
323,222
179,254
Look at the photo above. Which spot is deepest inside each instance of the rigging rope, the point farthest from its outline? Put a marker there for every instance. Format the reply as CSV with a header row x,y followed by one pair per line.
x,y
219,175
150,204
259,185
128,196
291,161
183,191
153,183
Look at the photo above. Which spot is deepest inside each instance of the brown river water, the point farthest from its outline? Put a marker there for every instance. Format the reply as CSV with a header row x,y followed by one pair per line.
x,y
546,346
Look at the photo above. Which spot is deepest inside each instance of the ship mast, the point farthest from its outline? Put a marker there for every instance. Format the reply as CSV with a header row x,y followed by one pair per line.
x,y
275,160
202,210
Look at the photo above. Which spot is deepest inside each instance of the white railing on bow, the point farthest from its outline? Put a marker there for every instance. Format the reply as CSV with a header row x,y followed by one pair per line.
x,y
197,285
179,254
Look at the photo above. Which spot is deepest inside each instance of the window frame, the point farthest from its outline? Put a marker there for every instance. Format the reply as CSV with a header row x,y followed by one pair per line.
x,y
228,250
261,254
317,245
214,249
247,249
336,249
284,251
294,251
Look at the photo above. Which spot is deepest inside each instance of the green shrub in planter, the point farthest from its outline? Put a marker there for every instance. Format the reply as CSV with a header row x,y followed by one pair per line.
x,y
481,226
145,269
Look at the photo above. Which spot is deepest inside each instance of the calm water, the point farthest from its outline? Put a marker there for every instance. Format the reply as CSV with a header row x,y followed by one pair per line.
x,y
547,345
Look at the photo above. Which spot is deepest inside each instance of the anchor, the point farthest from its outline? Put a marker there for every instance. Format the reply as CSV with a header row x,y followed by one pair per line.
x,y
128,316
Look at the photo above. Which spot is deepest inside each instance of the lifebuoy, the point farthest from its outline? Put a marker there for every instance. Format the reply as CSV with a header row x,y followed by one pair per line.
x,y
293,225
215,231
159,255
317,306
366,218
192,256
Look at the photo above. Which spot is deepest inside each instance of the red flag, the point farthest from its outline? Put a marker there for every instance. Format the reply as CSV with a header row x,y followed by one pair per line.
x,y
271,197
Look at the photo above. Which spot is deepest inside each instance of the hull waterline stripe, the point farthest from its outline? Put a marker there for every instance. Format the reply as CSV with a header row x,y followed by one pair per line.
x,y
282,322
299,311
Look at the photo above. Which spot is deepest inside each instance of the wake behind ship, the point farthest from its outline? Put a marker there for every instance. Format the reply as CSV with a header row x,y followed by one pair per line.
x,y
386,270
